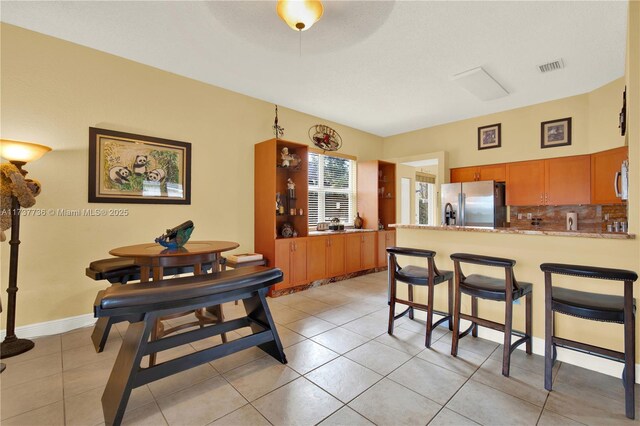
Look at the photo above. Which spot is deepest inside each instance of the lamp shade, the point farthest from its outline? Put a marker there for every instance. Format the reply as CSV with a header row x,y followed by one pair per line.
x,y
23,152
300,15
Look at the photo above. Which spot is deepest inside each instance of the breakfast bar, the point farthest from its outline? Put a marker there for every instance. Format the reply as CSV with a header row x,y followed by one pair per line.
x,y
530,249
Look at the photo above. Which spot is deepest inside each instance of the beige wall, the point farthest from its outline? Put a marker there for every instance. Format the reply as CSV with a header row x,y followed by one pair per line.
x,y
53,91
595,120
595,128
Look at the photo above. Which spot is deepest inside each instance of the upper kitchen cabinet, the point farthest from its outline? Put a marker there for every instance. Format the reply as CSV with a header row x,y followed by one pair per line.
x,y
604,166
376,193
568,180
557,181
495,172
525,183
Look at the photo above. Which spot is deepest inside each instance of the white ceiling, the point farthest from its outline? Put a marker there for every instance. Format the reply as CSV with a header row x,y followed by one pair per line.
x,y
382,67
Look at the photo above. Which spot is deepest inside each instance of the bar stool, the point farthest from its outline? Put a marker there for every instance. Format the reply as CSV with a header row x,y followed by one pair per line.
x,y
417,275
592,306
483,287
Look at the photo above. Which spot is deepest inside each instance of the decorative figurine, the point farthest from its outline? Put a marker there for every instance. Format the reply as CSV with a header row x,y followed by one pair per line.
x,y
287,230
286,157
291,189
176,237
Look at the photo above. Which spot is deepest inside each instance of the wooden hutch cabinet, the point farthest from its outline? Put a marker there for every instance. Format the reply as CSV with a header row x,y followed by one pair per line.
x,y
270,178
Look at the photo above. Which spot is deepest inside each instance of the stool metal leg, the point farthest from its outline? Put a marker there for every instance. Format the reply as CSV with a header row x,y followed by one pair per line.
x,y
474,312
430,290
392,293
629,351
410,300
528,325
548,333
508,322
450,302
455,336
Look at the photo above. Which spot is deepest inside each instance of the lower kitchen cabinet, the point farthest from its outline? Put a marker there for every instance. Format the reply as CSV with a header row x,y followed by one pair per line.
x,y
360,251
317,248
291,258
385,239
336,256
325,257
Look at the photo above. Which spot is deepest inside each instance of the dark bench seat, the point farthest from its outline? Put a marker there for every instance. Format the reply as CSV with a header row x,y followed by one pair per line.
x,y
121,270
144,303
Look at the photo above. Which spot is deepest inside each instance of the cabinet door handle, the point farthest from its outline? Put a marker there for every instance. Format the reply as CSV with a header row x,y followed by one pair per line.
x,y
546,198
541,198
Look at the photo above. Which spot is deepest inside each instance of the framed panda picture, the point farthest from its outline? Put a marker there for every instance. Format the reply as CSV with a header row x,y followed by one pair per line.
x,y
129,168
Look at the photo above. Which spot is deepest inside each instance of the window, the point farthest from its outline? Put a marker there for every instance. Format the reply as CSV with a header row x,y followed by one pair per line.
x,y
331,189
425,213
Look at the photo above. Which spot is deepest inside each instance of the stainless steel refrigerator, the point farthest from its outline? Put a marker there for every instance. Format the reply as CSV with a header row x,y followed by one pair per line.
x,y
473,204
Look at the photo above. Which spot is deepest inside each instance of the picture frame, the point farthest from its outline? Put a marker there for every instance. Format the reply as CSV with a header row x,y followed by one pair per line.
x,y
490,136
555,133
130,168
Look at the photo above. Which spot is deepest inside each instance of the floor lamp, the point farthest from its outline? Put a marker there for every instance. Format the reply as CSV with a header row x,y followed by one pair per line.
x,y
18,154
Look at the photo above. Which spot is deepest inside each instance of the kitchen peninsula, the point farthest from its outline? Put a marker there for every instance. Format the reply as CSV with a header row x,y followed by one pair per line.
x,y
530,249
510,230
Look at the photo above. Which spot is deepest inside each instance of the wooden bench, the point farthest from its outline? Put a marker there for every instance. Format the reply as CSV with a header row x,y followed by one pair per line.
x,y
142,304
120,270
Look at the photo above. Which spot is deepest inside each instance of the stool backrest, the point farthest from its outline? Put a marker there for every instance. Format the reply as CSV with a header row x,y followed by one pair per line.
x,y
589,272
629,277
394,267
496,262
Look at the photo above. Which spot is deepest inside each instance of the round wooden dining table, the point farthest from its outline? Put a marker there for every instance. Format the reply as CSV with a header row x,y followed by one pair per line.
x,y
153,258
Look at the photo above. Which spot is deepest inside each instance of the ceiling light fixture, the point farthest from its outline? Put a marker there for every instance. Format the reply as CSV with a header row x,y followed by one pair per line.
x,y
300,15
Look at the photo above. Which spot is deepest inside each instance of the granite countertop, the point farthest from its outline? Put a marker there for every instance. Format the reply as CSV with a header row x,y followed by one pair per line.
x,y
346,231
583,234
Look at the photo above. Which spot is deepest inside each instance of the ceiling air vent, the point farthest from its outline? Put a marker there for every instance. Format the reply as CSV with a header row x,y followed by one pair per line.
x,y
551,66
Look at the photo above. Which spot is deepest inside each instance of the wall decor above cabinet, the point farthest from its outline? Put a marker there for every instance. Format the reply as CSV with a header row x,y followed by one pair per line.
x,y
555,133
277,129
623,113
489,136
325,138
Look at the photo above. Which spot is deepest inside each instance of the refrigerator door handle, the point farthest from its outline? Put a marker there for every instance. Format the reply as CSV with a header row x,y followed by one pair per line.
x,y
461,209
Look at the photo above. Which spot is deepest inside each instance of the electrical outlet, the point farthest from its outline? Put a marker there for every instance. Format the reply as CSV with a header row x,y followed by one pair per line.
x,y
529,216
519,216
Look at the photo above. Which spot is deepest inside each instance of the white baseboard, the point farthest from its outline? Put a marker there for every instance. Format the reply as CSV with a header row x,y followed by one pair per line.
x,y
52,327
590,362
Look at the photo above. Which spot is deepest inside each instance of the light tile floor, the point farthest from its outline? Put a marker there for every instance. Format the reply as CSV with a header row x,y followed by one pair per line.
x,y
343,369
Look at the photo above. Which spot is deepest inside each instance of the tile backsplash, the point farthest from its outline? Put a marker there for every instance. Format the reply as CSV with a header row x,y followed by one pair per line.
x,y
591,218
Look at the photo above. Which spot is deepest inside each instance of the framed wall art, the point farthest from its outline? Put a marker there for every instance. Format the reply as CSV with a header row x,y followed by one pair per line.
x,y
129,168
489,136
555,133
